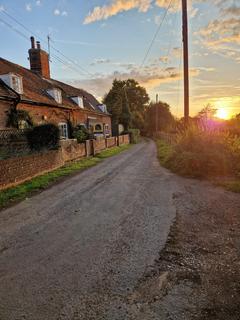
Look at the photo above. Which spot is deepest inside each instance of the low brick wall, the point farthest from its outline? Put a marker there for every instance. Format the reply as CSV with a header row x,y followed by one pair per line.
x,y
111,142
99,145
19,169
16,170
72,150
124,139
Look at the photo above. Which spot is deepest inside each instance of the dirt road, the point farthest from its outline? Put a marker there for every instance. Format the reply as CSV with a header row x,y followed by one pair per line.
x,y
85,241
88,248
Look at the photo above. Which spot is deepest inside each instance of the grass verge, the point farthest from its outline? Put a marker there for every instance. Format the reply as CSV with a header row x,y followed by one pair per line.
x,y
26,189
164,151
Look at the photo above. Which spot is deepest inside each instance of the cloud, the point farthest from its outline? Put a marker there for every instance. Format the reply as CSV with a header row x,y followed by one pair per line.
x,y
28,7
57,12
100,61
150,77
38,3
116,7
2,8
233,11
175,5
222,35
76,42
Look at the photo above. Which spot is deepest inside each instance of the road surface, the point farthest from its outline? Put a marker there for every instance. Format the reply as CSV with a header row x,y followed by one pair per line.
x,y
76,250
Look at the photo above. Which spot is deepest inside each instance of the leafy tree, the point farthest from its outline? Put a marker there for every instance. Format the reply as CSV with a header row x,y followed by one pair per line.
x,y
127,101
159,117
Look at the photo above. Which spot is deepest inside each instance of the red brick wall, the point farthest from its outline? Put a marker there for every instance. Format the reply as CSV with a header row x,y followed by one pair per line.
x,y
42,114
19,169
124,139
72,150
99,145
111,142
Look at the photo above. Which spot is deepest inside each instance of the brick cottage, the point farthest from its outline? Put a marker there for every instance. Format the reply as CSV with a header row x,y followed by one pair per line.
x,y
48,100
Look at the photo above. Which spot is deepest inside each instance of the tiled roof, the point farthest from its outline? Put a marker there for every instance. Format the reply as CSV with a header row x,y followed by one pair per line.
x,y
5,92
35,88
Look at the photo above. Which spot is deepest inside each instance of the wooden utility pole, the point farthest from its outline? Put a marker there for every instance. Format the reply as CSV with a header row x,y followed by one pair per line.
x,y
185,57
49,47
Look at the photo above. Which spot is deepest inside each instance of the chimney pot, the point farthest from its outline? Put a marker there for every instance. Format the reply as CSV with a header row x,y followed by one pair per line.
x,y
39,60
32,42
38,45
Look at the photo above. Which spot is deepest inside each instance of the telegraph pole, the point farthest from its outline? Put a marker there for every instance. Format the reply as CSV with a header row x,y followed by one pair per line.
x,y
49,47
185,58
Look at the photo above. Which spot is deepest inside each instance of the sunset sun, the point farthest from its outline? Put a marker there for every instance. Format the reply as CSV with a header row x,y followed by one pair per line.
x,y
222,113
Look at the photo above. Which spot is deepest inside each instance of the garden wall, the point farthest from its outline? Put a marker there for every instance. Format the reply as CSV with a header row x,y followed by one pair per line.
x,y
19,169
72,150
16,170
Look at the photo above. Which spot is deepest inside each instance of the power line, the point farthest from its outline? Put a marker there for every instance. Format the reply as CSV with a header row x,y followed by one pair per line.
x,y
27,38
14,29
156,33
31,32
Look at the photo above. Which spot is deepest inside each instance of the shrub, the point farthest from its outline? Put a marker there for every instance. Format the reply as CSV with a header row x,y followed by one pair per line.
x,y
199,153
81,134
45,136
134,135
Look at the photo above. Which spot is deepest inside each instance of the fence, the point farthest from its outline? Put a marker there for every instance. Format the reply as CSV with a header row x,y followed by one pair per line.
x,y
13,142
16,170
167,137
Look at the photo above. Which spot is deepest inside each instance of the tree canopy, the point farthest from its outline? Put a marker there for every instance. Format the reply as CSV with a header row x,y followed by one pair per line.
x,y
159,117
127,101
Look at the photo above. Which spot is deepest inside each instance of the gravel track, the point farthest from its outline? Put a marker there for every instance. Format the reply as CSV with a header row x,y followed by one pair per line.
x,y
124,240
75,250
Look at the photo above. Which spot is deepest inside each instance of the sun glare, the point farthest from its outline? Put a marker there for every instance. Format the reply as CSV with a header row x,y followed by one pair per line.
x,y
222,114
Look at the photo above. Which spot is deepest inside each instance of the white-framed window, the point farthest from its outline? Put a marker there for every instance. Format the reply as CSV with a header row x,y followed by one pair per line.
x,y
14,81
103,107
79,101
56,94
63,128
17,84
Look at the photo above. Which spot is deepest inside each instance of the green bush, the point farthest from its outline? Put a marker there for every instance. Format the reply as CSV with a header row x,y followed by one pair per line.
x,y
199,153
42,137
134,135
81,134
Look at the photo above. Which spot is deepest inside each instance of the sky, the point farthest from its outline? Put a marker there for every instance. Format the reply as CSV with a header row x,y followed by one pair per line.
x,y
94,42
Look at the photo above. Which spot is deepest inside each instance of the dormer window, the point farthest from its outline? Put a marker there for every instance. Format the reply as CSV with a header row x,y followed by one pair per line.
x,y
102,107
78,100
56,94
14,81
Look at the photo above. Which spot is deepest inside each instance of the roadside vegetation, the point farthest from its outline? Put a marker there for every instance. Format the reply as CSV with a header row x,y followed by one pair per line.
x,y
42,182
205,149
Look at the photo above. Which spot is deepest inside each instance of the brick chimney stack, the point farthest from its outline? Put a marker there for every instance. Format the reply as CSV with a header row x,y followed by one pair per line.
x,y
39,59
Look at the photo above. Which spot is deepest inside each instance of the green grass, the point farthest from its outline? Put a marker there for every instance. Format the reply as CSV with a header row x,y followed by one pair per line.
x,y
39,183
164,151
